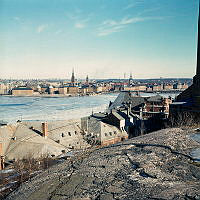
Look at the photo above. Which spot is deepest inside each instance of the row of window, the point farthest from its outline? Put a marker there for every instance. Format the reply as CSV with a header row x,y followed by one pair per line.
x,y
58,141
69,134
110,133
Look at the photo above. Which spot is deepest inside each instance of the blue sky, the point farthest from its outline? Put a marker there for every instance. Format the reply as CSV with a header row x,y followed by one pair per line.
x,y
101,38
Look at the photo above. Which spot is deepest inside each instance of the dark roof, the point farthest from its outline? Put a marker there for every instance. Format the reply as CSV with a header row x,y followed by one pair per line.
x,y
99,115
136,101
126,98
117,115
22,88
123,97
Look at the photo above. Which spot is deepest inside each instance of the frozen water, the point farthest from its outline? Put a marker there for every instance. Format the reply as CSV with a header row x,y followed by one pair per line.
x,y
54,108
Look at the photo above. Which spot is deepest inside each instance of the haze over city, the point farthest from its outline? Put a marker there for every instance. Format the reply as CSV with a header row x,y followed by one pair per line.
x,y
102,39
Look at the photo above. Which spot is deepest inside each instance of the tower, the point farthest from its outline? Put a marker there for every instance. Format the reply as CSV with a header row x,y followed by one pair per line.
x,y
189,100
87,80
73,78
130,81
192,94
196,79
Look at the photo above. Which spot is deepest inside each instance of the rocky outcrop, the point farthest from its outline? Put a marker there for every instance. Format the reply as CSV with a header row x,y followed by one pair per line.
x,y
153,166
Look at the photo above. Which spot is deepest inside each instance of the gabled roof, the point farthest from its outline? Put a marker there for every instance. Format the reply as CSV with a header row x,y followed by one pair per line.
x,y
28,143
123,97
126,97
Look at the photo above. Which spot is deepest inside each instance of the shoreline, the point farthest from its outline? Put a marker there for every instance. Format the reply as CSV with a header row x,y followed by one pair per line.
x,y
92,94
59,95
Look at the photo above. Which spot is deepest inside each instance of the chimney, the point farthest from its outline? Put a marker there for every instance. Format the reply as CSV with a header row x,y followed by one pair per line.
x,y
127,110
141,112
44,129
2,160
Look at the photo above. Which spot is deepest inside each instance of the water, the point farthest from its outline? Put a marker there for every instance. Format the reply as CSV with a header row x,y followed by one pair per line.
x,y
196,152
60,108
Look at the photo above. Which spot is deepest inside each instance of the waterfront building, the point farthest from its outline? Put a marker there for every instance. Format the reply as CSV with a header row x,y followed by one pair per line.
x,y
4,89
44,90
22,91
136,88
157,87
63,90
38,89
167,87
72,90
68,90
51,89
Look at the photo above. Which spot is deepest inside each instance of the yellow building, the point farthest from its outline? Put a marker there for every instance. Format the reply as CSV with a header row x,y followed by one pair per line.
x,y
68,90
22,91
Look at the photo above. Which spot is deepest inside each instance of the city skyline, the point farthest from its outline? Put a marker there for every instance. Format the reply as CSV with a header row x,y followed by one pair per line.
x,y
100,39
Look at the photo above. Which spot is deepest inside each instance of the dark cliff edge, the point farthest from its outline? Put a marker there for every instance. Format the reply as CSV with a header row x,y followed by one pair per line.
x,y
153,166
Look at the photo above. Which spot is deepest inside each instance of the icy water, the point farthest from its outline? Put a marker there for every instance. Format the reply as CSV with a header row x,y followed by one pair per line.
x,y
196,152
54,108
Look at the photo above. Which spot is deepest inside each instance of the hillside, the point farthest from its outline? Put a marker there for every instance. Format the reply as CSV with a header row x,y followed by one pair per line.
x,y
153,166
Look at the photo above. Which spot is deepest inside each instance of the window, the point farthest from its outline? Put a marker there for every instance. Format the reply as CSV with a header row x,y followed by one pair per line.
x,y
77,143
69,134
110,133
106,134
63,135
115,132
75,133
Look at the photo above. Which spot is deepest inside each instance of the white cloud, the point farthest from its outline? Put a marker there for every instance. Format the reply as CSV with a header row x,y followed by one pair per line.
x,y
17,19
79,25
58,32
41,28
78,18
82,23
133,4
111,26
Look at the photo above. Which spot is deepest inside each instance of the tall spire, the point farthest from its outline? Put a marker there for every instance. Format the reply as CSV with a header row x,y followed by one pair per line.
x,y
131,77
73,77
87,79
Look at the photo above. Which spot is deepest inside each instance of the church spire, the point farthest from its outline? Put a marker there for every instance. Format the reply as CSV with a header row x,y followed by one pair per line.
x,y
130,79
87,80
73,77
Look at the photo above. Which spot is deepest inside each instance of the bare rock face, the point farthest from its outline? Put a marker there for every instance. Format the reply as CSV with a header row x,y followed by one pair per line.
x,y
153,166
